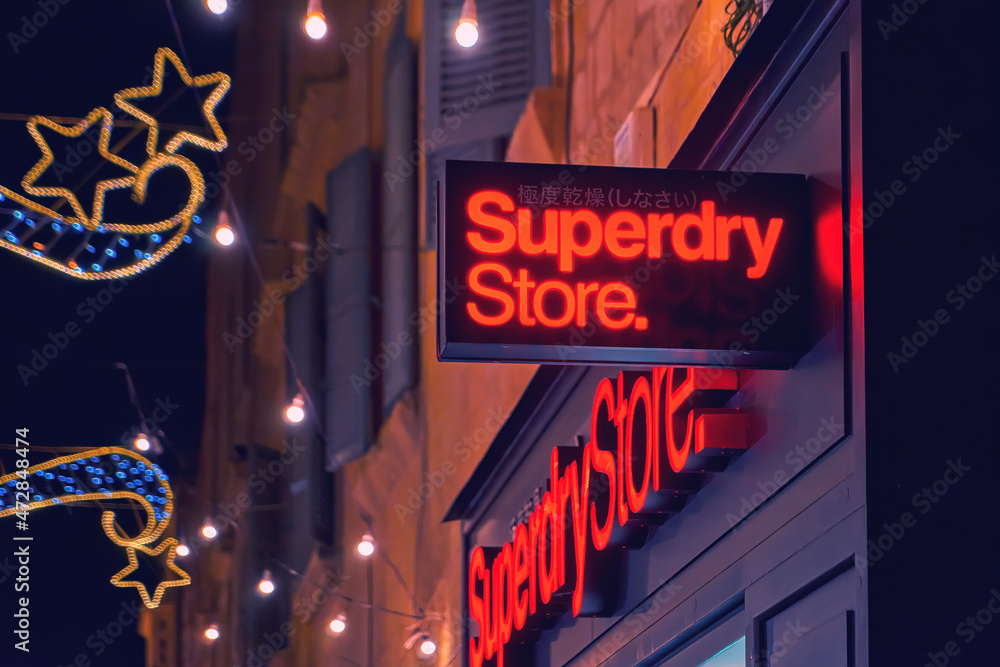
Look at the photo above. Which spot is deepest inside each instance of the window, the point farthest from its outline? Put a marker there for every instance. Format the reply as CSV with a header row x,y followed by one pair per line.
x,y
474,97
712,642
734,655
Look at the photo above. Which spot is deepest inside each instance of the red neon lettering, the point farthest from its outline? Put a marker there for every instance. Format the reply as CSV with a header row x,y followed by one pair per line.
x,y
568,247
566,291
477,565
504,595
569,234
678,454
550,242
723,228
523,286
762,250
706,227
534,528
547,549
640,393
613,234
536,557
520,575
627,303
659,374
603,462
478,288
493,644
581,301
506,228
529,302
561,495
657,223
621,413
579,492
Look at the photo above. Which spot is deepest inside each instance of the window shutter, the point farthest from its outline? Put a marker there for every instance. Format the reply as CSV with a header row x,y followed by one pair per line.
x,y
475,96
350,380
399,222
305,327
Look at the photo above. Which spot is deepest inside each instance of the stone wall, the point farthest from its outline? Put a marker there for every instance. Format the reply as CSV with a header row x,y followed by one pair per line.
x,y
628,53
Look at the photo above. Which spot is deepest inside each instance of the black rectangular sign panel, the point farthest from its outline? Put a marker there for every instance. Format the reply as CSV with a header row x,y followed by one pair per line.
x,y
615,265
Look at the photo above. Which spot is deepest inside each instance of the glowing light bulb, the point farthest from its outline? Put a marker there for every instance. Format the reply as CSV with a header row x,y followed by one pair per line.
x,y
295,412
217,7
467,33
266,586
338,624
142,442
225,235
467,30
212,632
315,25
427,646
208,531
366,547
183,550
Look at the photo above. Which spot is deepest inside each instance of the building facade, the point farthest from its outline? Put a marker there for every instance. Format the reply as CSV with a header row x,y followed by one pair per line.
x,y
793,549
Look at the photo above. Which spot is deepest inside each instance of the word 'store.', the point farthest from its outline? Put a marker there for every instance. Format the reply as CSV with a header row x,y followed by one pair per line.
x,y
622,265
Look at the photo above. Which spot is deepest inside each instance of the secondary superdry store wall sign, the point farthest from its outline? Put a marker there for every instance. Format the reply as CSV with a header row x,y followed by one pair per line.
x,y
614,265
653,436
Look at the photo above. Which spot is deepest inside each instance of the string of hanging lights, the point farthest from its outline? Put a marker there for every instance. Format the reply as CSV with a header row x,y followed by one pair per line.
x,y
230,228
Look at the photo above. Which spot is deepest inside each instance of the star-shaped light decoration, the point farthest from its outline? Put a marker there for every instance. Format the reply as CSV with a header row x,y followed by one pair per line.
x,y
221,82
170,546
99,475
87,247
98,115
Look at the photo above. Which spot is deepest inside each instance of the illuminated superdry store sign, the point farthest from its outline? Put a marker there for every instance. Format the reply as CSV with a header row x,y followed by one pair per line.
x,y
652,439
553,263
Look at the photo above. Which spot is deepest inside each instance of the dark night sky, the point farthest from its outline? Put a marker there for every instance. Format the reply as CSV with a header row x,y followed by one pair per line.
x,y
79,57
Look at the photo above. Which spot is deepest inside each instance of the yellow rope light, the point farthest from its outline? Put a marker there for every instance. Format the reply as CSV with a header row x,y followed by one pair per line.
x,y
77,130
152,531
85,225
221,82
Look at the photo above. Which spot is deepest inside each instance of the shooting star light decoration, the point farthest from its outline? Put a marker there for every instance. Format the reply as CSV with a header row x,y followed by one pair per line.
x,y
83,244
104,474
